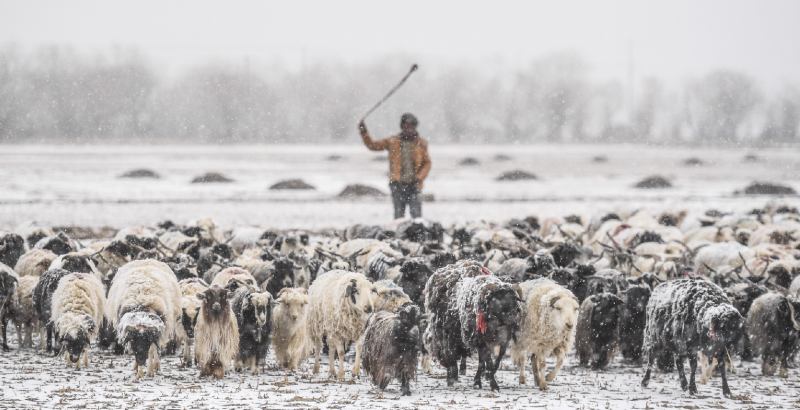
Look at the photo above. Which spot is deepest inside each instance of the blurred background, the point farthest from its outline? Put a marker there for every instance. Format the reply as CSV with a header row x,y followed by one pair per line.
x,y
666,72
588,97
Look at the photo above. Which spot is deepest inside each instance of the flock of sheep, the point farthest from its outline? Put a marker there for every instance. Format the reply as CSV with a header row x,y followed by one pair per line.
x,y
661,288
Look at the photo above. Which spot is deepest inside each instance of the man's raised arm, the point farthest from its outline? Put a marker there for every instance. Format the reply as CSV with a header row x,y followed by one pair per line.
x,y
373,145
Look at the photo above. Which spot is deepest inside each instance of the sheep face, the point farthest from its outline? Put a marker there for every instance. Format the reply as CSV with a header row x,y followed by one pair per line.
x,y
636,298
360,297
389,299
721,329
138,331
284,271
215,301
413,276
262,307
564,313
293,304
502,312
606,313
75,338
189,315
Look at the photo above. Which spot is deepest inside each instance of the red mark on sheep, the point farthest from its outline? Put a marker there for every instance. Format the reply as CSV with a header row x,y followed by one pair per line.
x,y
480,322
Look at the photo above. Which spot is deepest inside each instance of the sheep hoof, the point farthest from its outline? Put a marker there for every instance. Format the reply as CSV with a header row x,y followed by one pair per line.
x,y
522,380
550,376
543,386
692,389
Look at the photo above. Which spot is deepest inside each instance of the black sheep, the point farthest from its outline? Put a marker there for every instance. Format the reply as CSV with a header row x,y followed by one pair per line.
x,y
470,310
687,316
413,276
253,312
742,296
390,346
8,286
282,276
634,318
42,301
773,324
12,246
574,279
597,331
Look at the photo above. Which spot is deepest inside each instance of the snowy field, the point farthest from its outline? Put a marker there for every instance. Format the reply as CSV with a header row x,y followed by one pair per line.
x,y
32,380
74,185
79,185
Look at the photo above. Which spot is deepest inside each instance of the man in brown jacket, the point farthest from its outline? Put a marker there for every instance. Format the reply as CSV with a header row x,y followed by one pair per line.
x,y
409,164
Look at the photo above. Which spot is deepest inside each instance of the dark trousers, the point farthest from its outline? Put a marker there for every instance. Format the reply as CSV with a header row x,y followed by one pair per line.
x,y
405,194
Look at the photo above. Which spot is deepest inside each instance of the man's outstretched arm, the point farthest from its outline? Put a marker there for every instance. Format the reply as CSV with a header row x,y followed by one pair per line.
x,y
373,145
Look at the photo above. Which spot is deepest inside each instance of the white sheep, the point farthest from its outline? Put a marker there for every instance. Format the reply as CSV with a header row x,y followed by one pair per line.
x,y
25,317
144,307
389,296
547,329
190,308
34,262
234,273
289,333
78,308
340,303
216,333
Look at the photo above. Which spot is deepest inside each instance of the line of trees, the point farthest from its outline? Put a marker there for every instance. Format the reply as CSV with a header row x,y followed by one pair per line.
x,y
55,94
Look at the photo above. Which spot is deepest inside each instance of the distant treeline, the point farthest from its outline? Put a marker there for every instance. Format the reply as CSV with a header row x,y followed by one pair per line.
x,y
55,94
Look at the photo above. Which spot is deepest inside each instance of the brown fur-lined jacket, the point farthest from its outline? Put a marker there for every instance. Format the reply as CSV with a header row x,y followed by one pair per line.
x,y
422,161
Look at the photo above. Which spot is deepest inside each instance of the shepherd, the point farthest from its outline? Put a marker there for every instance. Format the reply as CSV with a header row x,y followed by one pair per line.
x,y
409,164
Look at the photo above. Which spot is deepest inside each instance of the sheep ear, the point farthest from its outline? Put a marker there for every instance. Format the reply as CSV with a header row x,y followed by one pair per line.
x,y
352,291
201,296
553,302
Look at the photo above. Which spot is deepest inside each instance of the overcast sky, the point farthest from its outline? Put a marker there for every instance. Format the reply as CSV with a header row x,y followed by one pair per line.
x,y
671,39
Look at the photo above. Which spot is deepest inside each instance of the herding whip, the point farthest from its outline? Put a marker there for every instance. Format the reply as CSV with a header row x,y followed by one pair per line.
x,y
392,91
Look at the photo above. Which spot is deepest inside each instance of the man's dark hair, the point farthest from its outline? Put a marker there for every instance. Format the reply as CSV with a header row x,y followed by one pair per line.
x,y
409,118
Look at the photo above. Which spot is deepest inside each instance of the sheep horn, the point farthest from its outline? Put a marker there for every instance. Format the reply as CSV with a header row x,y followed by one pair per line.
x,y
744,264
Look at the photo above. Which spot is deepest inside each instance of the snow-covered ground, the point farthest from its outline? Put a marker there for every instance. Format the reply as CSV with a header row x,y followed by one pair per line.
x,y
63,185
33,380
76,185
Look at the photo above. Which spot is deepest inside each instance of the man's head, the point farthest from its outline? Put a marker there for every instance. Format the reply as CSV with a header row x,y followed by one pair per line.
x,y
408,124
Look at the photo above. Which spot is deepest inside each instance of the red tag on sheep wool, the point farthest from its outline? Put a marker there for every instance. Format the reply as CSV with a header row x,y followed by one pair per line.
x,y
480,322
485,270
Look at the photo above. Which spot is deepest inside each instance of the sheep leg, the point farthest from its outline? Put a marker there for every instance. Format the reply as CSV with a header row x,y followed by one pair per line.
x,y
681,373
493,369
138,372
426,363
254,364
537,374
357,362
784,369
651,358
519,361
317,353
726,391
86,358
5,338
152,361
41,338
452,375
692,370
405,387
340,353
482,352
559,362
29,335
707,366
19,334
462,370
49,347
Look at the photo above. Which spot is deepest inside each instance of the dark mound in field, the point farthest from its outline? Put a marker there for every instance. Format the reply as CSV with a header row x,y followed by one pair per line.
x,y
693,162
211,177
751,158
599,159
653,182
292,184
334,157
767,188
361,191
469,161
502,157
516,175
141,173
